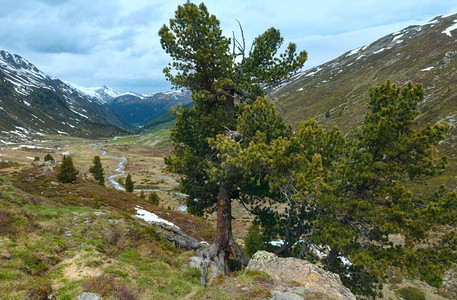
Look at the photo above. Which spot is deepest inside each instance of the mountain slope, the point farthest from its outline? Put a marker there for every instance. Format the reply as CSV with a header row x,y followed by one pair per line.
x,y
139,110
33,104
336,93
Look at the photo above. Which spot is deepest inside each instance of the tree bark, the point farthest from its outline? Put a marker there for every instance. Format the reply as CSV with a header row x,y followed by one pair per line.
x,y
230,103
224,226
331,259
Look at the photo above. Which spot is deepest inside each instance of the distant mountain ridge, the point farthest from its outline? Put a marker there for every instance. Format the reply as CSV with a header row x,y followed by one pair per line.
x,y
141,109
33,104
137,109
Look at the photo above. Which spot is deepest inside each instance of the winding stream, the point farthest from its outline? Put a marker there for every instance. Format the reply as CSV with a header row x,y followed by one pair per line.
x,y
121,171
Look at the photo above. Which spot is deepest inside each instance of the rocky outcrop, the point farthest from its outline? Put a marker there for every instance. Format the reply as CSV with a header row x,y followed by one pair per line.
x,y
310,278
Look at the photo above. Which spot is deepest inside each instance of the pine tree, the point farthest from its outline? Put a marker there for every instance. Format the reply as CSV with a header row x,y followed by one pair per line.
x,y
350,195
67,172
154,198
48,157
204,63
254,240
129,183
97,170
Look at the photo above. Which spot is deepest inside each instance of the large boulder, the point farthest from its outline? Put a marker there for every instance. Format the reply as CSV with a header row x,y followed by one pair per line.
x,y
312,279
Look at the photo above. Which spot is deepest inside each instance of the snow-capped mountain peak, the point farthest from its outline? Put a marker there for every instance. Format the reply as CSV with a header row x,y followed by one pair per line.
x,y
14,61
101,94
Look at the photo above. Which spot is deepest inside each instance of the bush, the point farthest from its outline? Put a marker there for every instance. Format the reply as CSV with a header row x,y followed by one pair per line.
x,y
96,202
107,286
142,196
36,158
410,293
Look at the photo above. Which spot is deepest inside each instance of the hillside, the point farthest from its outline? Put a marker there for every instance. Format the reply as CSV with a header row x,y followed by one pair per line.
x,y
336,93
33,104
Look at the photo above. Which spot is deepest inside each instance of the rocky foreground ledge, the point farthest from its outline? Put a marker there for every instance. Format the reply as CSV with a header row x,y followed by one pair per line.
x,y
311,279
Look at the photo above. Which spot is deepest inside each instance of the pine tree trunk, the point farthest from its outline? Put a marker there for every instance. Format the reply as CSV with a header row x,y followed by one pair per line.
x,y
224,226
230,103
331,259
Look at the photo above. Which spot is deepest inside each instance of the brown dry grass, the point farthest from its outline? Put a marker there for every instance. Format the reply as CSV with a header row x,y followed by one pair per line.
x,y
41,182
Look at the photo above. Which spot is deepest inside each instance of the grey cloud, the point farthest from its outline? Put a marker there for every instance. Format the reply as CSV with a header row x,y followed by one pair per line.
x,y
51,38
123,40
144,16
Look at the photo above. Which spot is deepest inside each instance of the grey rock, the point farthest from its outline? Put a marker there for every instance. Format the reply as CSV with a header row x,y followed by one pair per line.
x,y
89,296
277,295
310,278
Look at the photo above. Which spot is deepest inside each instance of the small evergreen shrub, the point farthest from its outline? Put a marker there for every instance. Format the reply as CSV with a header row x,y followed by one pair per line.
x,y
97,171
96,202
49,157
254,240
410,293
129,184
154,198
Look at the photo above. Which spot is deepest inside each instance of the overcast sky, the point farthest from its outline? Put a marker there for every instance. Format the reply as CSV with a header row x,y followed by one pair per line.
x,y
115,42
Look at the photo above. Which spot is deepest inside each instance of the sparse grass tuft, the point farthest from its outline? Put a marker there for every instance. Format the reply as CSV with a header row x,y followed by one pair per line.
x,y
108,286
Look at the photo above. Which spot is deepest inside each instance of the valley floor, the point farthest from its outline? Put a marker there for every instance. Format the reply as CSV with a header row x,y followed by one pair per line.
x,y
63,239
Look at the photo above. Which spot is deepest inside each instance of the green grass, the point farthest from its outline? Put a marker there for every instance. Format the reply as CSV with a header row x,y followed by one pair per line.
x,y
156,138
52,242
126,139
8,179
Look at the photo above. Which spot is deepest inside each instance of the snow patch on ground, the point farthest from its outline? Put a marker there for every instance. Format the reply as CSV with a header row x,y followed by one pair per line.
x,y
354,51
62,132
150,217
79,114
449,29
360,57
314,72
182,208
428,69
6,142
